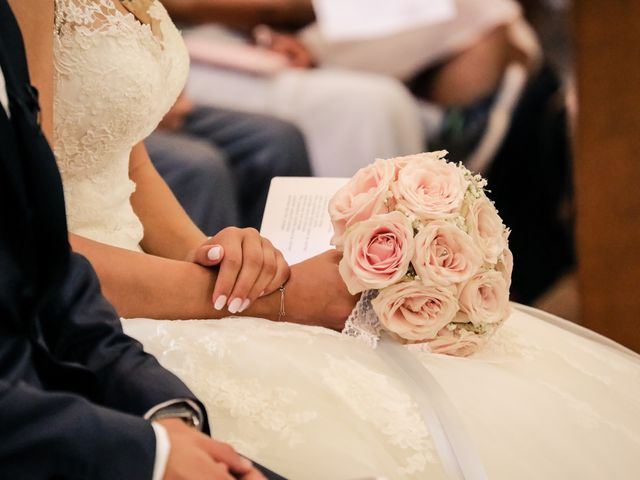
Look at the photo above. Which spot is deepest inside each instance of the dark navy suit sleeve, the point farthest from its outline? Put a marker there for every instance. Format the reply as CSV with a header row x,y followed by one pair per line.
x,y
85,420
82,328
48,434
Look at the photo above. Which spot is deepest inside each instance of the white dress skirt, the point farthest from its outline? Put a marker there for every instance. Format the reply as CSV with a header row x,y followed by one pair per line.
x,y
542,400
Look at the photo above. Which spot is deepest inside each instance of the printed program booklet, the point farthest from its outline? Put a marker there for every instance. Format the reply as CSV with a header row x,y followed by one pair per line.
x,y
295,217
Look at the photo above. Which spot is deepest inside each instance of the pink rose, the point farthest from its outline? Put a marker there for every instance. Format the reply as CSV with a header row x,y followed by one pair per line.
x,y
362,197
485,298
377,252
415,312
401,162
486,229
444,254
430,188
458,342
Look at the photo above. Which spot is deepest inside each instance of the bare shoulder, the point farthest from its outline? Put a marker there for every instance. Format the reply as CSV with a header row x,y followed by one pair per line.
x,y
35,18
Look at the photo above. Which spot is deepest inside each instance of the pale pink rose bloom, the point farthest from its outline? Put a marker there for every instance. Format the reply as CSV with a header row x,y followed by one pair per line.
x,y
505,266
485,298
430,188
415,312
401,162
458,342
486,229
363,196
445,254
377,252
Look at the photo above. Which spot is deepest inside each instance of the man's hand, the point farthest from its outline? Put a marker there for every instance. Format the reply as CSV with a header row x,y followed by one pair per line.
x,y
194,456
250,266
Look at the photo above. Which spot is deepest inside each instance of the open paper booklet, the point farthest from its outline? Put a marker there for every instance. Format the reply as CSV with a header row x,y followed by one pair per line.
x,y
295,217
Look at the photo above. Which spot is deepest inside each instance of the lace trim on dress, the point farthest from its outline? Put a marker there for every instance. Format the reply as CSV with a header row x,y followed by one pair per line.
x,y
393,413
87,16
255,407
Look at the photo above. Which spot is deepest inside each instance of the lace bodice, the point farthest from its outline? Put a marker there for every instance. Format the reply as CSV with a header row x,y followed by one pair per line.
x,y
115,78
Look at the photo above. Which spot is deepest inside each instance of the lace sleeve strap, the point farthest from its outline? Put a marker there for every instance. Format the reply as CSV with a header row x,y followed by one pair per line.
x,y
89,14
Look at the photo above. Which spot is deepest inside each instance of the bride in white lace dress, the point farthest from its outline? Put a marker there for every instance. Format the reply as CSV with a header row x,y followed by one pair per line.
x,y
540,401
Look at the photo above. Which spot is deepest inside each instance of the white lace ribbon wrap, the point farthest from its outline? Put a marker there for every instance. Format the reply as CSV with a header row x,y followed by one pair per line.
x,y
363,322
364,325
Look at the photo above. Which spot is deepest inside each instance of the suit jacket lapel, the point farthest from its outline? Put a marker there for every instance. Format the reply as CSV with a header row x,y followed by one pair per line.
x,y
9,152
31,171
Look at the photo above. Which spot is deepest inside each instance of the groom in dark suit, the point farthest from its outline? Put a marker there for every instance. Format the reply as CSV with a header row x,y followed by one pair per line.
x,y
78,398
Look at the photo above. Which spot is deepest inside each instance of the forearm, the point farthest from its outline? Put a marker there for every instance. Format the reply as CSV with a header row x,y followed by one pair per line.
x,y
244,14
168,230
143,285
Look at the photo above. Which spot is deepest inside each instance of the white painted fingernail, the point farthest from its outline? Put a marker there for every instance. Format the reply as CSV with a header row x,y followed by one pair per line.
x,y
213,254
220,302
235,304
245,304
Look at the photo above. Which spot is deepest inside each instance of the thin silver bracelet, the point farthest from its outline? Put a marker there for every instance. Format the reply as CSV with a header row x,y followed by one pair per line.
x,y
281,313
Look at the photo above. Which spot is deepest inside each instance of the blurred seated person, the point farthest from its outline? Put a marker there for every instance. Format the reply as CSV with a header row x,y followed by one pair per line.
x,y
219,163
461,68
347,117
454,64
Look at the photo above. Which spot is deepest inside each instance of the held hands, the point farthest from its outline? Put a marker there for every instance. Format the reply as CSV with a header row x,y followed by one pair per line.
x,y
194,456
250,267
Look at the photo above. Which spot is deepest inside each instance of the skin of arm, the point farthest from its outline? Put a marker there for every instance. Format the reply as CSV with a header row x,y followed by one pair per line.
x,y
37,31
168,230
143,285
243,14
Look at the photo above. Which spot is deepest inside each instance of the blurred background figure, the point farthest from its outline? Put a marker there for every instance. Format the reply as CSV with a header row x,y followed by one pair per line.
x,y
219,163
348,117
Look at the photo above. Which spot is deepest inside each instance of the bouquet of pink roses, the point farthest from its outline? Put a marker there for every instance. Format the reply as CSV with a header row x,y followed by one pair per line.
x,y
421,232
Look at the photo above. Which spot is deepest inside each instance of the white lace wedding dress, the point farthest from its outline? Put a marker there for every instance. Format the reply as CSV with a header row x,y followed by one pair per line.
x,y
540,402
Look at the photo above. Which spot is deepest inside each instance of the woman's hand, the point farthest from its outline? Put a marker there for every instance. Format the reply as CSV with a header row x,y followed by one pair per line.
x,y
250,267
316,295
